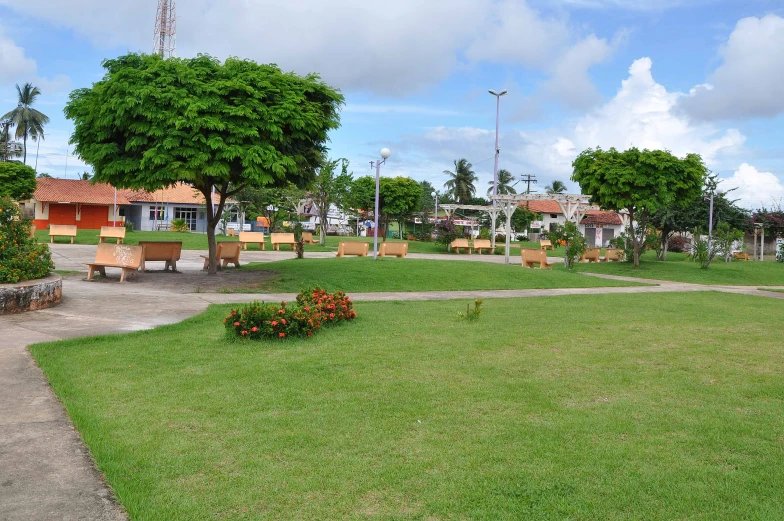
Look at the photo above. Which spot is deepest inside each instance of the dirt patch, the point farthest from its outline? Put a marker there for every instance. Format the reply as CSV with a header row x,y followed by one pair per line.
x,y
191,281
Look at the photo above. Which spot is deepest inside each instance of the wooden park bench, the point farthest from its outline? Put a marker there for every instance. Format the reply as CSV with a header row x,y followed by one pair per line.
x,y
32,231
112,232
531,257
612,255
393,249
282,238
228,252
307,238
359,248
230,232
62,230
546,244
461,244
157,251
252,238
741,255
590,255
483,244
128,258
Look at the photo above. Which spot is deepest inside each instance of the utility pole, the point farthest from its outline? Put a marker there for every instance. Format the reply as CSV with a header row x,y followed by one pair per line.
x,y
528,179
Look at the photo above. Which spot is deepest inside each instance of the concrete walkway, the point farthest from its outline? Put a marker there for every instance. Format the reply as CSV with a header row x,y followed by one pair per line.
x,y
46,472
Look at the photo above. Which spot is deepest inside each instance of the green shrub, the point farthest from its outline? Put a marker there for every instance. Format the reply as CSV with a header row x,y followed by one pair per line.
x,y
424,233
314,308
484,234
179,225
20,257
471,314
569,235
128,226
17,181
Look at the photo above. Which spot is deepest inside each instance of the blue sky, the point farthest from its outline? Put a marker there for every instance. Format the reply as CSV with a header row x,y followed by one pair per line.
x,y
691,76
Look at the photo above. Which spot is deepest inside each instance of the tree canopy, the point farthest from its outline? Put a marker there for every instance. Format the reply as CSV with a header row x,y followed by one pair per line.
x,y
638,181
29,122
398,197
153,122
461,183
505,183
17,181
330,188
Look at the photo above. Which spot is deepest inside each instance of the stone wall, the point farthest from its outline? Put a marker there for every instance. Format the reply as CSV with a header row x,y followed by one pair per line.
x,y
31,295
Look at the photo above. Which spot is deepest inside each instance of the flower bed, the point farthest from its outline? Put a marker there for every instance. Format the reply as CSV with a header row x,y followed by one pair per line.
x,y
313,309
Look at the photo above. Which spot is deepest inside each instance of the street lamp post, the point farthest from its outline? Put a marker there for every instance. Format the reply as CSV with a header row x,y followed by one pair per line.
x,y
497,150
385,153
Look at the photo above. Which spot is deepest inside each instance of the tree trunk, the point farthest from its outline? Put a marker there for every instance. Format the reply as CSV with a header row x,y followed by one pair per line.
x,y
323,227
212,222
25,149
635,242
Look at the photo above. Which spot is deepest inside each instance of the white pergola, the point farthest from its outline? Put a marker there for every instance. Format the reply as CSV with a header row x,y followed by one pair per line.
x,y
493,211
574,207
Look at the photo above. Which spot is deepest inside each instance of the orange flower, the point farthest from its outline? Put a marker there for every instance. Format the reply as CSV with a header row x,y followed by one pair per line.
x,y
236,324
281,334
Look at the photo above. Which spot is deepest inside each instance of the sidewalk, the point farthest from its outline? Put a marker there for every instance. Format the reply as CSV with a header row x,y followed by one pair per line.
x,y
46,472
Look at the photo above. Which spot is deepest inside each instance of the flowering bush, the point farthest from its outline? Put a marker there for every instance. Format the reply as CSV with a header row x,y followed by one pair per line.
x,y
20,257
314,308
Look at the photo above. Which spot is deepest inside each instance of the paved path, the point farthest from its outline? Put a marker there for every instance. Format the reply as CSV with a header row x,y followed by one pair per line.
x,y
46,472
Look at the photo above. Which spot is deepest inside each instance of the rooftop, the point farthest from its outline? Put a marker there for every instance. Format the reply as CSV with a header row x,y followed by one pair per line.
x,y
52,189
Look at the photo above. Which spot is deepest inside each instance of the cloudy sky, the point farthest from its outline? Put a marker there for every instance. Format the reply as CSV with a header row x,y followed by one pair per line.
x,y
704,76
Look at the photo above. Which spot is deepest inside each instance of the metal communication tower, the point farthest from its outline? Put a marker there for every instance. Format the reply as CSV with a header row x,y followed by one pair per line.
x,y
165,29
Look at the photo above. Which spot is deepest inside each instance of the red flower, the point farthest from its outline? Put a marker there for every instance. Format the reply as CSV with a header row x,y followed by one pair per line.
x,y
244,332
353,314
236,324
331,316
310,333
281,334
274,323
233,312
254,329
283,321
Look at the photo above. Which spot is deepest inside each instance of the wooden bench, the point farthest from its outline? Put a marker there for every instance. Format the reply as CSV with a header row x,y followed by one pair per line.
x,y
128,258
157,251
228,252
62,230
590,255
282,238
546,244
32,231
230,232
359,248
531,257
612,255
483,244
112,232
393,249
252,238
307,238
741,255
461,244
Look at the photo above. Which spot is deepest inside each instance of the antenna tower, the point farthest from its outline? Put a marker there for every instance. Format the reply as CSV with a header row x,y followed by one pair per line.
x,y
165,29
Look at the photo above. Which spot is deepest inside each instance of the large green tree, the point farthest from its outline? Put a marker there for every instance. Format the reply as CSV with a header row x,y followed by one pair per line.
x,y
556,187
153,122
398,197
330,188
17,181
29,122
638,181
460,185
505,183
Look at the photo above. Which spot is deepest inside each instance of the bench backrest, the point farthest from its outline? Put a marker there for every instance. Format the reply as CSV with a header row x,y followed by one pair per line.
x,y
482,243
533,255
117,232
161,250
228,250
251,236
460,243
395,248
354,247
62,229
282,238
545,242
591,253
613,253
122,255
307,236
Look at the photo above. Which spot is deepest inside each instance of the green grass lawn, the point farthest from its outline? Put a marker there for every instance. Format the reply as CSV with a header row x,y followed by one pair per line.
x,y
393,274
609,407
190,241
678,269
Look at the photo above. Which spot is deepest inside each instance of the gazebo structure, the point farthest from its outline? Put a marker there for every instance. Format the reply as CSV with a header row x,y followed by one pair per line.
x,y
574,207
493,211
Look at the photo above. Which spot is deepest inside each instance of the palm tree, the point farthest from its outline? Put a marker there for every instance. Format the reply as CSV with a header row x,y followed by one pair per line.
x,y
505,186
461,185
557,187
29,122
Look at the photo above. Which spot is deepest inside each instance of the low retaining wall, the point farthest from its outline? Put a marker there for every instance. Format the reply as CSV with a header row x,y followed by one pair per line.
x,y
31,294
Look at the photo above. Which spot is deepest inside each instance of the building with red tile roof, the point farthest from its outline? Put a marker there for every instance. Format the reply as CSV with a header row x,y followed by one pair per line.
x,y
598,226
81,203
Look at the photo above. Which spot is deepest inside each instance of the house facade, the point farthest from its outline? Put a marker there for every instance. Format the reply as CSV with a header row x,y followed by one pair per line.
x,y
76,202
156,210
597,226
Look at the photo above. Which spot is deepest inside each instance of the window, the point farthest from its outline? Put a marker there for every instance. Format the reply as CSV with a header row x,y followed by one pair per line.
x,y
189,214
553,216
160,213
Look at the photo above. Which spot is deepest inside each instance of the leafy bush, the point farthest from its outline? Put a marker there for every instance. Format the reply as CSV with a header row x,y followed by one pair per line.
x,y
471,314
20,257
677,244
17,181
447,232
179,225
569,235
424,233
128,226
484,234
704,251
314,309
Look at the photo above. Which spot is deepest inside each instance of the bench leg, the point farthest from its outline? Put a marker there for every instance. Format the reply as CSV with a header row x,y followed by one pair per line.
x,y
72,239
90,271
51,239
206,263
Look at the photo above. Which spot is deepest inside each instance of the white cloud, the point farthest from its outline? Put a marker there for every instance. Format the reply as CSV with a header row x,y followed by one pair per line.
x,y
13,62
750,81
642,114
391,48
753,188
